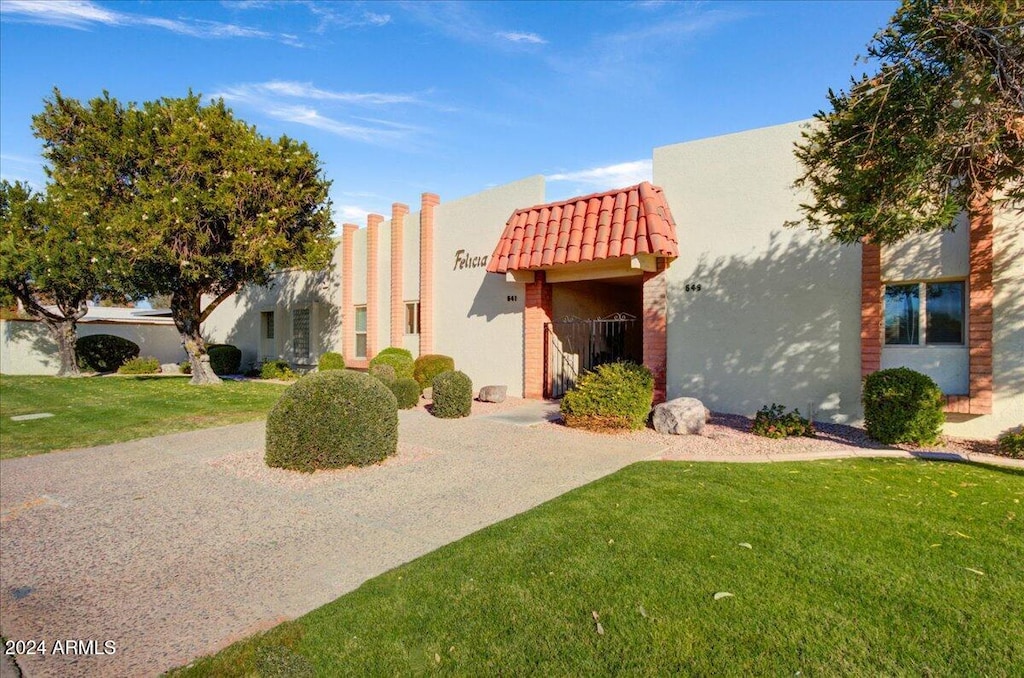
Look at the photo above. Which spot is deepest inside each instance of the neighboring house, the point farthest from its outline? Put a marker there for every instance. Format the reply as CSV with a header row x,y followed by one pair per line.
x,y
695,275
26,347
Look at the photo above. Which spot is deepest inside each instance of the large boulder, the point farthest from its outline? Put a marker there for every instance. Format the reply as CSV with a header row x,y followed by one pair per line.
x,y
681,416
492,394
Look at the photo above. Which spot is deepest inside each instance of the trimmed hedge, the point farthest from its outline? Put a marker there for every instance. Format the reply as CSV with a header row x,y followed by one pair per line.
x,y
332,419
428,366
1011,443
277,369
386,373
614,396
398,358
140,365
104,352
407,392
331,361
224,358
902,406
452,395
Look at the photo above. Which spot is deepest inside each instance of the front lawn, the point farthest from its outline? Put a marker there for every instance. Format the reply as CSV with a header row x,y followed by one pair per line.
x,y
855,567
98,410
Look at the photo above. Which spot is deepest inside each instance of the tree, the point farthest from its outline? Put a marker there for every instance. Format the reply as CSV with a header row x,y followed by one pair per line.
x,y
51,262
939,127
210,204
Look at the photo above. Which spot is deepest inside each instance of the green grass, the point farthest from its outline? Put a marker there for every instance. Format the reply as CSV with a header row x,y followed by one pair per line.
x,y
99,410
857,567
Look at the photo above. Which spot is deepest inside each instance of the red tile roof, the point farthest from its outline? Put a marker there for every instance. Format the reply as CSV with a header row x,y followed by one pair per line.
x,y
618,223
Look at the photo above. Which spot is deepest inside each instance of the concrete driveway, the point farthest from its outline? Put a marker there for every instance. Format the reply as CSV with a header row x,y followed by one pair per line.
x,y
173,547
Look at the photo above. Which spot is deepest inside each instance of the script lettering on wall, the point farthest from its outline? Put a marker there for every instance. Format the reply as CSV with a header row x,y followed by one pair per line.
x,y
465,260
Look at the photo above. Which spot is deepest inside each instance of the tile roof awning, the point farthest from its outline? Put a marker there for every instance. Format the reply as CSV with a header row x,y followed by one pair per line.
x,y
620,223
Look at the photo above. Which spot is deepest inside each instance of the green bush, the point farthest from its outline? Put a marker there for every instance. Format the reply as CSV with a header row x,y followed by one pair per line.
x,y
407,392
452,395
277,369
331,361
332,419
185,367
385,373
140,365
902,406
1011,443
224,358
614,396
429,366
774,422
104,352
398,358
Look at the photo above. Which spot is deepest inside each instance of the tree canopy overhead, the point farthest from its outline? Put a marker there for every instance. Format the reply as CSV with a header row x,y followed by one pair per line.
x,y
939,127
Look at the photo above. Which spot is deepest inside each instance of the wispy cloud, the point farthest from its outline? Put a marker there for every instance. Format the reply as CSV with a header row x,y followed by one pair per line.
x,y
352,214
83,15
464,22
608,176
344,15
515,36
22,168
307,90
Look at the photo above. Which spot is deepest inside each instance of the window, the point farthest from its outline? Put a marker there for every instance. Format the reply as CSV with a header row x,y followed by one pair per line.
x,y
412,317
300,334
941,317
360,331
267,321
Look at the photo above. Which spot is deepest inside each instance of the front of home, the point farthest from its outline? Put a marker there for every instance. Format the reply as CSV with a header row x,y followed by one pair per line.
x,y
696,275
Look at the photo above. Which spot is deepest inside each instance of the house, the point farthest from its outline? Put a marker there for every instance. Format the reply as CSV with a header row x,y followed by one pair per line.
x,y
695,274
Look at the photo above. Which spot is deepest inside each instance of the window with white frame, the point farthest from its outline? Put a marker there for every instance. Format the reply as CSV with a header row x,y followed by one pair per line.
x,y
412,317
300,334
925,313
360,331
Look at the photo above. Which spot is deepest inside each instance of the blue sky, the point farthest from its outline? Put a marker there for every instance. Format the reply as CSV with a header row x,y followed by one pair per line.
x,y
399,98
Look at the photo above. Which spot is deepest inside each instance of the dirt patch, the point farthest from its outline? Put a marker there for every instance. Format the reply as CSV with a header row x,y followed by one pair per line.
x,y
482,408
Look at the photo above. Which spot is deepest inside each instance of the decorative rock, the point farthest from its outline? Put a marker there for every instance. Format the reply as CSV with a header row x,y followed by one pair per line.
x,y
170,368
681,416
428,393
492,394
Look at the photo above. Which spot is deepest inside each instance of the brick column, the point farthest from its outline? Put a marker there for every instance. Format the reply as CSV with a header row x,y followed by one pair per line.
x,y
870,309
398,212
348,311
979,321
372,224
535,315
655,302
429,202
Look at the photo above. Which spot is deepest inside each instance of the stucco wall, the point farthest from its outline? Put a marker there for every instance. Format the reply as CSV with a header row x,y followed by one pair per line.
x,y
26,347
475,321
777,316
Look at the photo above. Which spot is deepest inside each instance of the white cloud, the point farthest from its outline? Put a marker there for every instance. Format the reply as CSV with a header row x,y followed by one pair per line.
x,y
307,90
608,177
352,214
515,36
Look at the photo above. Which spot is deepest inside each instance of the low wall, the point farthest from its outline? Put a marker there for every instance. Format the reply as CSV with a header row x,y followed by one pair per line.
x,y
26,346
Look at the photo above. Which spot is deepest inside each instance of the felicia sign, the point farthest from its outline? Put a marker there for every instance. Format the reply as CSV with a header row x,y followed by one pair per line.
x,y
464,260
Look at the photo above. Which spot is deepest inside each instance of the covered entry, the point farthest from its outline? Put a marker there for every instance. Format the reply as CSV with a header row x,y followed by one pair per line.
x,y
593,267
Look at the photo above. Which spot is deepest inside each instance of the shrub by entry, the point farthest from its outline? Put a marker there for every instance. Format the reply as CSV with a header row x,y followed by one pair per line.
x,y
614,396
224,359
385,373
398,358
331,361
774,422
140,365
104,352
429,366
332,419
407,392
902,406
452,395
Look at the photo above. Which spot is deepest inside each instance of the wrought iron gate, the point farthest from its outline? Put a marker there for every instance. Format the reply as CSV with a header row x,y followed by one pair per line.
x,y
573,346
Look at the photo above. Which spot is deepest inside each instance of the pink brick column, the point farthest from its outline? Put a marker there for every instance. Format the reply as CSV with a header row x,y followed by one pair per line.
x,y
870,309
979,340
398,212
372,224
655,301
536,314
348,312
429,202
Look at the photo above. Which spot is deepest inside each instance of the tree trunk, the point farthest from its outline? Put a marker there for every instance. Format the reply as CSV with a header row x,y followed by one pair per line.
x,y
64,334
188,325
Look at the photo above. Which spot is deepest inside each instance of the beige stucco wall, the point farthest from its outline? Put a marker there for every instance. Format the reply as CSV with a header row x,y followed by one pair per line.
x,y
777,318
475,322
26,347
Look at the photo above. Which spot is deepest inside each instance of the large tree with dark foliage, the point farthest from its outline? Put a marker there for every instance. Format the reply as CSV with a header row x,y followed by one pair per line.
x,y
937,128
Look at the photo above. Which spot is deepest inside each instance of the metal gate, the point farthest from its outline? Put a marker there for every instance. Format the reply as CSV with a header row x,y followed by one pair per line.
x,y
573,346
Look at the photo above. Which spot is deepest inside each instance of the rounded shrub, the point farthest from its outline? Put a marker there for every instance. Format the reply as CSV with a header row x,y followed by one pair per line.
x,y
140,365
331,361
332,419
407,392
902,406
614,396
385,373
428,366
104,352
452,395
224,358
398,358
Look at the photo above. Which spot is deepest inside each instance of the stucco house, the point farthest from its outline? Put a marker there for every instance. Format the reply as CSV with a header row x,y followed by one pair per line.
x,y
695,274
